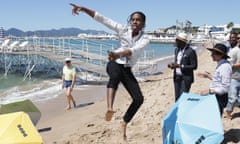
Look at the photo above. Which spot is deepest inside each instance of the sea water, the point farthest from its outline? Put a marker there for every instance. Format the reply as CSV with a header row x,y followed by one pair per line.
x,y
37,88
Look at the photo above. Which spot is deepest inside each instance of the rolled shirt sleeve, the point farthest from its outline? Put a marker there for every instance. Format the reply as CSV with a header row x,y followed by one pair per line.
x,y
111,24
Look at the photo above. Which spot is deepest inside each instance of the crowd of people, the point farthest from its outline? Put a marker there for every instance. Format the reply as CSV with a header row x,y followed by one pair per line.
x,y
225,81
226,78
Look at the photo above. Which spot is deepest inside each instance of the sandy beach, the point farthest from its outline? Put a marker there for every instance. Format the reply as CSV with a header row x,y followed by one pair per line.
x,y
86,125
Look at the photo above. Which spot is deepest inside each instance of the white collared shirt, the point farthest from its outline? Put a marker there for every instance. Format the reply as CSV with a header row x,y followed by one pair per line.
x,y
136,44
179,58
222,77
234,55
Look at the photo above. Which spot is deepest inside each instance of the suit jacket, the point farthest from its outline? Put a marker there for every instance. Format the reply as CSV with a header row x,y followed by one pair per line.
x,y
188,63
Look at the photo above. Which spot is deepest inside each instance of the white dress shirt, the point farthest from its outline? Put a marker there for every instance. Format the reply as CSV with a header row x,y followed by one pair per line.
x,y
234,55
222,77
136,44
179,58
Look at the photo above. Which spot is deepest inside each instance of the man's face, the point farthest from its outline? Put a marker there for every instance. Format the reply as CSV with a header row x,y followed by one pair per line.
x,y
180,44
233,40
238,40
233,37
136,22
68,63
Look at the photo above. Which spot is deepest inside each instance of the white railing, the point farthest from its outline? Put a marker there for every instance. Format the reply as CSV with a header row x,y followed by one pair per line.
x,y
67,46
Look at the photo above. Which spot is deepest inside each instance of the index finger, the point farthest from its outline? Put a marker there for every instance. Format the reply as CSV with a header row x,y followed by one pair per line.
x,y
207,72
73,5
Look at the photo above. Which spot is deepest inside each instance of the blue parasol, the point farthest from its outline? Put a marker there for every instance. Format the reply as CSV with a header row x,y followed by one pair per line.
x,y
193,119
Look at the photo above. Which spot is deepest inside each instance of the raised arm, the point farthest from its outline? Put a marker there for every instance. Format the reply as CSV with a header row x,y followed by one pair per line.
x,y
77,9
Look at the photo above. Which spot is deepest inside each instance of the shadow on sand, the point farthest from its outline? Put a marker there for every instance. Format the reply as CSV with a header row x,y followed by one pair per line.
x,y
84,105
46,129
152,80
231,136
235,115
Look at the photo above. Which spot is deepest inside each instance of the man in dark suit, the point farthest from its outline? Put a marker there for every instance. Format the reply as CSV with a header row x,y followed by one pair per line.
x,y
185,62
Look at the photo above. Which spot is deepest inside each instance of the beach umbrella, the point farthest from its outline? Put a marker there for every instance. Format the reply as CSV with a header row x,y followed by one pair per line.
x,y
17,128
193,119
26,106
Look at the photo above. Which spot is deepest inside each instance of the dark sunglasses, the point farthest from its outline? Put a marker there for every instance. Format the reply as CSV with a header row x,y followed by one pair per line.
x,y
68,61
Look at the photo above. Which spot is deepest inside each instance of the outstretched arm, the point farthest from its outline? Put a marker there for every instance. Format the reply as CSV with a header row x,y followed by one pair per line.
x,y
98,17
77,9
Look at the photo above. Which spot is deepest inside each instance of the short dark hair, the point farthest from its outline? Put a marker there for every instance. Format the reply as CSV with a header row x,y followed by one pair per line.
x,y
233,32
142,16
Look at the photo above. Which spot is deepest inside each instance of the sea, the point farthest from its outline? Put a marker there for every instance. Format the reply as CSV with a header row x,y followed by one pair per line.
x,y
14,87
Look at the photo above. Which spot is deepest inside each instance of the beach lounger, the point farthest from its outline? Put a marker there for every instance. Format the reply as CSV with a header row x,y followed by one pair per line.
x,y
23,45
4,45
13,46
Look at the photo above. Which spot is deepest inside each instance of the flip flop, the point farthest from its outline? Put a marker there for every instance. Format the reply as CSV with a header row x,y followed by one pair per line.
x,y
108,115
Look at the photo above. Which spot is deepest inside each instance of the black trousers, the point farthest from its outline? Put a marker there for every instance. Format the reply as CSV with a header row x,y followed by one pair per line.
x,y
181,85
222,101
119,73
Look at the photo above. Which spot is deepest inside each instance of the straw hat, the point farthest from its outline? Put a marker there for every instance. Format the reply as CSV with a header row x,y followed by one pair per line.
x,y
221,48
182,37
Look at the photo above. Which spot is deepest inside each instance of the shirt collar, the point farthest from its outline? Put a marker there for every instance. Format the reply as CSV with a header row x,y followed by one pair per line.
x,y
140,33
222,61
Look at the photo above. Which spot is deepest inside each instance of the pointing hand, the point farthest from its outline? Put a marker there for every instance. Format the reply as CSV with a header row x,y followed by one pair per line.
x,y
75,9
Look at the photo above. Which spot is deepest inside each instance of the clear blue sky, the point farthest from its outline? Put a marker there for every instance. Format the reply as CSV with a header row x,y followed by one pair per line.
x,y
54,14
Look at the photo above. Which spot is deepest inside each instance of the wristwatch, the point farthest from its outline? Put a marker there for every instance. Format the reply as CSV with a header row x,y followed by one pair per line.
x,y
210,91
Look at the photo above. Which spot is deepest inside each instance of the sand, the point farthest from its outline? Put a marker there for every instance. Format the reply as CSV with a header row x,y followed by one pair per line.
x,y
86,125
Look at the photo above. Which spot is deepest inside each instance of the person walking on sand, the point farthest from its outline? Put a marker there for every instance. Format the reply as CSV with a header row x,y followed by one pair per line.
x,y
234,91
68,80
221,78
185,62
132,43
